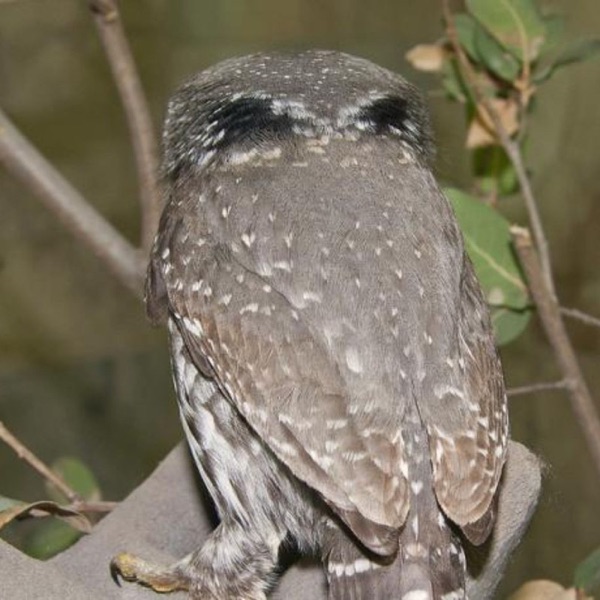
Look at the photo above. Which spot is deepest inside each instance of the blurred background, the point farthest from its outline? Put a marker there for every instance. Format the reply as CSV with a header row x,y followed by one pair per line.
x,y
81,371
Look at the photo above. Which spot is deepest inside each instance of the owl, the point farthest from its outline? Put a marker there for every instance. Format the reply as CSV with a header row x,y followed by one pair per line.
x,y
334,362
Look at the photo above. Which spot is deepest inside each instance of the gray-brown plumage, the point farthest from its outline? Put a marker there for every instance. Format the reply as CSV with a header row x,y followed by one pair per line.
x,y
333,355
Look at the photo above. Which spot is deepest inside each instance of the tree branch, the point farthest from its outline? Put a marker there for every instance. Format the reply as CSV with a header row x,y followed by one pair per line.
x,y
579,315
549,312
511,147
33,461
24,162
126,77
537,387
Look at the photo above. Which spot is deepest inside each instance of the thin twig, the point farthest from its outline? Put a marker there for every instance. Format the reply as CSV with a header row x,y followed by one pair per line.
x,y
122,64
511,147
563,384
33,461
549,312
579,315
24,162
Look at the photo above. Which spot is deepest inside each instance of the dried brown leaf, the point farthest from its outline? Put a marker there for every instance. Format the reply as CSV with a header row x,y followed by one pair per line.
x,y
543,589
72,517
481,130
426,57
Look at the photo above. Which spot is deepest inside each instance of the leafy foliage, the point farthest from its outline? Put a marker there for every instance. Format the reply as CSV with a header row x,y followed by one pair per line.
x,y
587,573
493,61
53,536
511,48
78,476
488,243
515,24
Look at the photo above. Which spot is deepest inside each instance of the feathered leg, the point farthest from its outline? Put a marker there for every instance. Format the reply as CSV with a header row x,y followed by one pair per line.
x,y
233,563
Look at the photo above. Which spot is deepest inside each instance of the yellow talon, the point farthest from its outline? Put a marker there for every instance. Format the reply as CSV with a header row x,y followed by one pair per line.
x,y
132,568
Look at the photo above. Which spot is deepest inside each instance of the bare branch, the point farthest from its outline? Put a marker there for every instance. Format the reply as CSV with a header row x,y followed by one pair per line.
x,y
33,461
111,32
563,384
511,147
549,312
579,315
24,162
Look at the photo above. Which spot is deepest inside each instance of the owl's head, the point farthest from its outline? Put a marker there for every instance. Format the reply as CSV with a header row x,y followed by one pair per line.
x,y
245,104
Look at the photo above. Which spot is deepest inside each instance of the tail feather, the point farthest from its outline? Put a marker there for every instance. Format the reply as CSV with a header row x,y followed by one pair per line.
x,y
352,576
420,571
431,563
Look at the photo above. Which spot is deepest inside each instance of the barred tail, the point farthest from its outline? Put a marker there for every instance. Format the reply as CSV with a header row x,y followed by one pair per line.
x,y
431,561
430,565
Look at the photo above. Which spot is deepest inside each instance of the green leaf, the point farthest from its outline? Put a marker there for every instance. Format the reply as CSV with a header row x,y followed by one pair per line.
x,y
453,83
494,172
577,51
508,324
484,49
50,538
78,476
495,57
466,26
488,243
516,24
587,573
555,28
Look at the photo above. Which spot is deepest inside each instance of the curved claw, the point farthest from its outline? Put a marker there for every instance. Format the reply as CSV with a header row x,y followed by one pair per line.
x,y
115,572
132,568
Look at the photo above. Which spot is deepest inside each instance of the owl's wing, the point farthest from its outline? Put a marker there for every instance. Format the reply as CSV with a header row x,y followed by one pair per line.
x,y
248,337
466,418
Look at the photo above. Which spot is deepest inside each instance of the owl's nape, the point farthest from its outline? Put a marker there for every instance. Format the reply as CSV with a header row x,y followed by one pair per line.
x,y
332,353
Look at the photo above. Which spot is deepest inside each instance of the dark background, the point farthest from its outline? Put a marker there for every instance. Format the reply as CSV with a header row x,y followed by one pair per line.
x,y
81,371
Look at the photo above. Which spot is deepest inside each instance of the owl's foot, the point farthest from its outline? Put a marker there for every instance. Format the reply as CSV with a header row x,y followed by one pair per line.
x,y
233,563
161,579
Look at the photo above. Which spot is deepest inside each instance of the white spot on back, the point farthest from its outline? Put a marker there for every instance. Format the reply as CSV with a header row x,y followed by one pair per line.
x,y
416,487
311,296
404,468
248,238
335,424
283,265
415,526
353,360
225,299
252,307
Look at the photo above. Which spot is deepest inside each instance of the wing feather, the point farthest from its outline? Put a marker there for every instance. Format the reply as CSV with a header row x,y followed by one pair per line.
x,y
282,380
468,452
